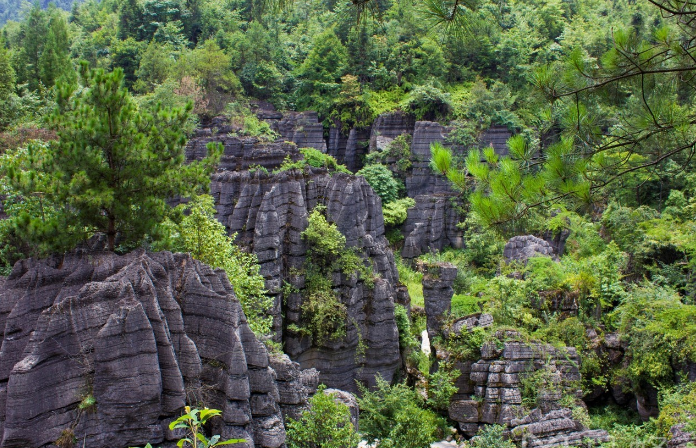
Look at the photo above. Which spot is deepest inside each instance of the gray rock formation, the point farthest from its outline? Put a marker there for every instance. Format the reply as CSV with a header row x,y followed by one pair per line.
x,y
680,438
302,128
241,153
432,225
437,294
349,149
341,396
555,428
490,392
522,248
269,213
142,335
390,126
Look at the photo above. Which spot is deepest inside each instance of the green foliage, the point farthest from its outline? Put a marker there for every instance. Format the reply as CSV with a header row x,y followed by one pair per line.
x,y
111,169
382,181
677,407
198,232
395,212
660,331
441,387
395,416
326,424
492,436
324,314
412,279
397,155
314,158
428,103
192,422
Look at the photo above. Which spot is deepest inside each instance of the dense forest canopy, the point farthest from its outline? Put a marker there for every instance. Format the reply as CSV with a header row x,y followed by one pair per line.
x,y
598,98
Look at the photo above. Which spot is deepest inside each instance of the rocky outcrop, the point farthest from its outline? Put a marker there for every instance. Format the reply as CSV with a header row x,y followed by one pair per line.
x,y
109,348
437,294
522,248
269,213
302,128
490,390
348,399
432,225
680,438
349,150
555,428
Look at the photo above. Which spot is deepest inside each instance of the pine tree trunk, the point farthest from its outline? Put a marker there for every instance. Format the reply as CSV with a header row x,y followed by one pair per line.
x,y
111,233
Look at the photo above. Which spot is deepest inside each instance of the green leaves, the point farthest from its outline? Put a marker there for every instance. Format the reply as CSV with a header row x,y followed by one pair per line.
x,y
193,421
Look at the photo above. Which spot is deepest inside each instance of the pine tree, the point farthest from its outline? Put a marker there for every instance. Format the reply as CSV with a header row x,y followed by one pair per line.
x,y
34,30
113,167
54,62
7,84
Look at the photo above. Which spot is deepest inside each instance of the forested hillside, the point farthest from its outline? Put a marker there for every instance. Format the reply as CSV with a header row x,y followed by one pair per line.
x,y
509,184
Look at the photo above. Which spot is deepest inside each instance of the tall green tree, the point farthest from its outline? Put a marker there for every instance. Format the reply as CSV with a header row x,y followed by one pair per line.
x,y
33,34
7,85
113,167
54,62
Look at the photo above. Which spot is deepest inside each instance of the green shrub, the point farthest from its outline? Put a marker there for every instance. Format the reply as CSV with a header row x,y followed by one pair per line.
x,y
206,239
395,417
660,331
441,387
382,181
397,154
427,103
323,313
395,212
491,437
326,424
314,158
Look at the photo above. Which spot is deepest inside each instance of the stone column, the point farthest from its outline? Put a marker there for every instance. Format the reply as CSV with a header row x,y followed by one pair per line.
x,y
437,294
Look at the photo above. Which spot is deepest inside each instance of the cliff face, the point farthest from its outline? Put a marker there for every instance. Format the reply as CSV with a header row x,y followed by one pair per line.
x,y
269,213
109,348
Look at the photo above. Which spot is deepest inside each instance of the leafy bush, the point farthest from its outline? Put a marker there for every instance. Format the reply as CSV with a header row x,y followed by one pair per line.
x,y
192,422
315,158
660,331
441,387
491,437
677,406
382,181
323,313
427,103
395,417
395,212
397,154
326,424
206,239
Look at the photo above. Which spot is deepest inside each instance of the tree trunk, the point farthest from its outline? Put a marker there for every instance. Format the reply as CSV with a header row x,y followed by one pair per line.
x,y
111,233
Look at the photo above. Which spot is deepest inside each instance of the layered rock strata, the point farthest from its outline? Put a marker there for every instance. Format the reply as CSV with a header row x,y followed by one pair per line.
x,y
522,248
269,214
108,349
437,295
490,390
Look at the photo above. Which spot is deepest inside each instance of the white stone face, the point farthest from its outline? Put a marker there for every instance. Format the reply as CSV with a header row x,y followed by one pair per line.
x,y
425,344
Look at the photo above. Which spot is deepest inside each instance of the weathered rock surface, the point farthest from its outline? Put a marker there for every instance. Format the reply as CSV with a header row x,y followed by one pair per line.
x,y
269,213
555,428
522,248
349,149
143,334
348,399
489,390
431,225
680,438
437,294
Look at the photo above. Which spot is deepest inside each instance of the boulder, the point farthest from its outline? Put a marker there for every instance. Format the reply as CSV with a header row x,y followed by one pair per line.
x,y
110,348
522,248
